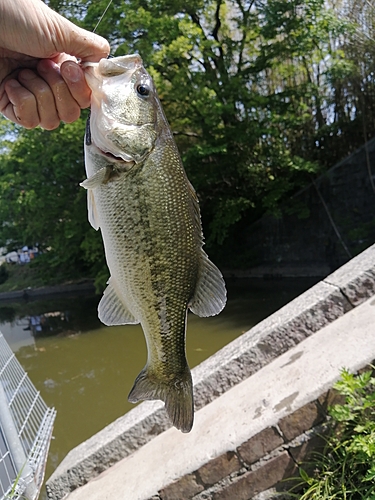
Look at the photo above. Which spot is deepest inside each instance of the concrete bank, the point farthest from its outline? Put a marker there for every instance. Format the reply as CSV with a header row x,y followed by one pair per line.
x,y
218,459
308,314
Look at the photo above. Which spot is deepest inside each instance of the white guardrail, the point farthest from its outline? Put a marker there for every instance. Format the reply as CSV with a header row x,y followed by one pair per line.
x,y
26,425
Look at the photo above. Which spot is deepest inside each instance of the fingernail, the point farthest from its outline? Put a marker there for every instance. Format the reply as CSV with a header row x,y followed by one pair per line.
x,y
72,72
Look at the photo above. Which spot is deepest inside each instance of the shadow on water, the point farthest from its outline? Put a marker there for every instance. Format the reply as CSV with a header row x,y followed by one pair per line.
x,y
86,370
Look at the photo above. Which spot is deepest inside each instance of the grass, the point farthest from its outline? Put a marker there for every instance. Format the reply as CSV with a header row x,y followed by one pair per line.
x,y
13,493
34,275
346,468
21,277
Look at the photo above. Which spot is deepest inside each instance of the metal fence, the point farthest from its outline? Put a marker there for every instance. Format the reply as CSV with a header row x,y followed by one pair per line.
x,y
25,430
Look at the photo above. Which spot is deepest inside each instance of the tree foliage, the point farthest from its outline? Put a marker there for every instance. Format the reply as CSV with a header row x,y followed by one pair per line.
x,y
260,94
41,201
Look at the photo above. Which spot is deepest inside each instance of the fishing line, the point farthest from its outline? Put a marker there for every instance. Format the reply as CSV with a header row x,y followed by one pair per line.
x,y
88,130
101,17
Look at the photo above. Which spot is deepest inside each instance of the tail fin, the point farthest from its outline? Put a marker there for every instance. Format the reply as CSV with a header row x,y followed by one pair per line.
x,y
177,395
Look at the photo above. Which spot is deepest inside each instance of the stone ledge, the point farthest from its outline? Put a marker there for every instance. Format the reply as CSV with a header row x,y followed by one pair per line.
x,y
301,420
258,446
292,384
218,468
307,314
116,441
356,279
253,482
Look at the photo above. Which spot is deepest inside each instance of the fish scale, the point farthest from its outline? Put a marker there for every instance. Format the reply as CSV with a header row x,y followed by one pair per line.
x,y
148,213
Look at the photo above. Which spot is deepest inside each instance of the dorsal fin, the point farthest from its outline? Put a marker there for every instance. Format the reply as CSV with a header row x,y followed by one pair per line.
x,y
210,294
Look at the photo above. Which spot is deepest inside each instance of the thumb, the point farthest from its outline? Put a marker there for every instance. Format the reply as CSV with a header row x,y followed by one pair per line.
x,y
80,43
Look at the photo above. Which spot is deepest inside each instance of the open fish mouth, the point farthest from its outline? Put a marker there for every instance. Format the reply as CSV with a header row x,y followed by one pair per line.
x,y
110,156
89,142
117,126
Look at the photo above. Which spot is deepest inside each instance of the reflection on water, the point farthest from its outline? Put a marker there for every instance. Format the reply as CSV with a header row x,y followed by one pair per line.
x,y
86,370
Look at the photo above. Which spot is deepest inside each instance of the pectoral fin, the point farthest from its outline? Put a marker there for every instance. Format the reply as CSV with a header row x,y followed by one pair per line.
x,y
93,215
210,294
100,177
112,310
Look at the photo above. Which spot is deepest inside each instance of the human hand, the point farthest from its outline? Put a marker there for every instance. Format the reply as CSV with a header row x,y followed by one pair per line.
x,y
41,82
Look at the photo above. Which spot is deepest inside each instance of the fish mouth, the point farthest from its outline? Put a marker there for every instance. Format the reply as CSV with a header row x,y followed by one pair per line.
x,y
107,68
89,142
110,156
119,165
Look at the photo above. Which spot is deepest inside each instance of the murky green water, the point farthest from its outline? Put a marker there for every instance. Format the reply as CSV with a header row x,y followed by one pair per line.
x,y
86,370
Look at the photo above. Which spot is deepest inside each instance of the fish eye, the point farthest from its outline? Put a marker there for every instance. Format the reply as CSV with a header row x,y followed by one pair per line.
x,y
143,90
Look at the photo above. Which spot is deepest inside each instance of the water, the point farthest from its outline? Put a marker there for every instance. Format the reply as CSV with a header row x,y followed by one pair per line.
x,y
86,370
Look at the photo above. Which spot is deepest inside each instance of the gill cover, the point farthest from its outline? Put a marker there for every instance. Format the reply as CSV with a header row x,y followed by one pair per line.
x,y
123,107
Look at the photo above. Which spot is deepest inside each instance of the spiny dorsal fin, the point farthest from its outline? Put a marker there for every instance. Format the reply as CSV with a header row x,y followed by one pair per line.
x,y
210,294
112,311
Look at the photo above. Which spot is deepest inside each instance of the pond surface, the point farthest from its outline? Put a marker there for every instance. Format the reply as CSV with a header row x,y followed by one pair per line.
x,y
86,370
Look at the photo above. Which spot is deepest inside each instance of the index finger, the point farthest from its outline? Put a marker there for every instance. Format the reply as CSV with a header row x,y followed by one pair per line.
x,y
74,78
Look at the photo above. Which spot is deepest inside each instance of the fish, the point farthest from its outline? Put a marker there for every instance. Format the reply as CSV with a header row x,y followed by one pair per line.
x,y
148,213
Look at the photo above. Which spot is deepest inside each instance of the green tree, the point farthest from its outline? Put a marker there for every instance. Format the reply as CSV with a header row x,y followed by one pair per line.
x,y
42,202
242,85
260,94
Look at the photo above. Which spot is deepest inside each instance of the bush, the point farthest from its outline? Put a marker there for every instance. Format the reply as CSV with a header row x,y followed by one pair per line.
x,y
4,274
346,469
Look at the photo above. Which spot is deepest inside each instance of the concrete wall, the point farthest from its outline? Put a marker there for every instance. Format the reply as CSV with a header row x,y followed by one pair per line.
x,y
264,465
256,441
293,246
246,442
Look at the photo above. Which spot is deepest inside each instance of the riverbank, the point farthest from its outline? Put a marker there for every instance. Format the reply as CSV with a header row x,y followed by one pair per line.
x,y
25,283
309,340
82,286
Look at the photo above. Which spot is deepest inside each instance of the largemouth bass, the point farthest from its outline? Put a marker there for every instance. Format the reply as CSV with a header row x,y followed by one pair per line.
x,y
148,214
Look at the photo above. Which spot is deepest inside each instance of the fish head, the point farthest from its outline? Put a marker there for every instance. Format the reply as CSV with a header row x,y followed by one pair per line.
x,y
124,106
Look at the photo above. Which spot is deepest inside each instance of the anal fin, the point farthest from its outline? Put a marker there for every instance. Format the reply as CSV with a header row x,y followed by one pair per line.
x,y
112,311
